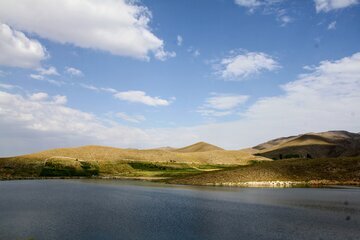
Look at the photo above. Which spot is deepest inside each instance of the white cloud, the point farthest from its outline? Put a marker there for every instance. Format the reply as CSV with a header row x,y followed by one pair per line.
x,y
225,101
179,40
131,118
329,5
249,3
220,105
40,96
120,27
284,19
43,78
162,55
8,86
17,50
254,4
110,90
90,87
141,97
74,71
131,96
59,99
37,76
242,66
332,25
50,71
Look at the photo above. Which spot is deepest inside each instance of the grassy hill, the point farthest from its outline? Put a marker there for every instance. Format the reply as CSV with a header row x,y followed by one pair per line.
x,y
312,145
116,162
198,147
313,171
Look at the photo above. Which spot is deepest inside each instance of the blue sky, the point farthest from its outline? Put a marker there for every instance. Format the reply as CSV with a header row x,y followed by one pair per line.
x,y
156,73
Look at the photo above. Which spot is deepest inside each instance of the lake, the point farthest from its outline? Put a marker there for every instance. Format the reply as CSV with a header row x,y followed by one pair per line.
x,y
108,209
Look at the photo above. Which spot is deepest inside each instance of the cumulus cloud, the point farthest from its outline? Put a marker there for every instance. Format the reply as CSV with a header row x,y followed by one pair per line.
x,y
74,71
120,27
41,96
17,50
329,5
242,66
131,118
60,99
141,97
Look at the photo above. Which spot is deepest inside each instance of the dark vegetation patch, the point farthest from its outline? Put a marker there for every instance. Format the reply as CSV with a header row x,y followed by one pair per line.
x,y
150,166
53,169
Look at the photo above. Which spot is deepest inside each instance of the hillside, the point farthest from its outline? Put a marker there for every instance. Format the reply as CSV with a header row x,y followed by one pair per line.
x,y
198,147
116,162
312,145
313,171
101,153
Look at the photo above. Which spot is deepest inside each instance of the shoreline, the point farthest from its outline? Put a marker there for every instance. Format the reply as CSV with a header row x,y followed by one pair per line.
x,y
254,184
283,184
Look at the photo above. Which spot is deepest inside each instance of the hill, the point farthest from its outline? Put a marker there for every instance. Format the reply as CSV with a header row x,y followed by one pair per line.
x,y
198,147
194,155
116,162
304,171
330,144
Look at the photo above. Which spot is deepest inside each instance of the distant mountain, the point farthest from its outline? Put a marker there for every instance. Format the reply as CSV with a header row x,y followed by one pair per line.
x,y
198,147
311,145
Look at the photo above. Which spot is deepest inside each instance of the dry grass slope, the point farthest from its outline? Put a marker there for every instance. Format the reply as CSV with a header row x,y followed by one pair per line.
x,y
336,170
100,153
198,147
316,145
117,162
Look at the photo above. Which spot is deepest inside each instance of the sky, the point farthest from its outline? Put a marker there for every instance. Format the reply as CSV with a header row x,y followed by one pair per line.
x,y
151,73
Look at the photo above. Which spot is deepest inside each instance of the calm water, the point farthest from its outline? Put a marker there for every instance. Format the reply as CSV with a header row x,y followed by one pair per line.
x,y
85,209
